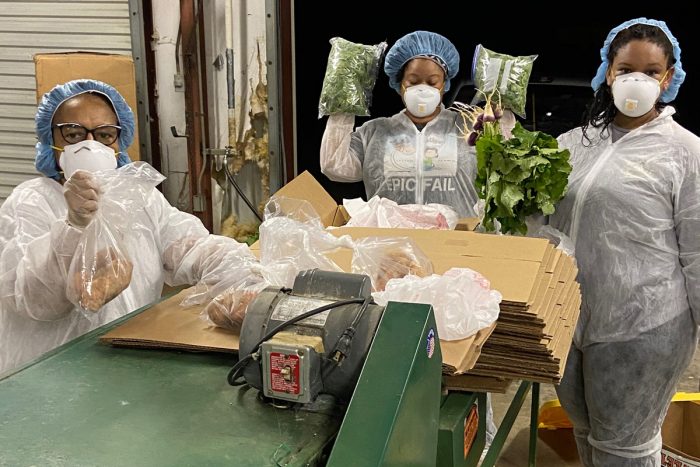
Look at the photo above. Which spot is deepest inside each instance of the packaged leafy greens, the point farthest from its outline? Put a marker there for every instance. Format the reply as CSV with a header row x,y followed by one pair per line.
x,y
350,76
506,75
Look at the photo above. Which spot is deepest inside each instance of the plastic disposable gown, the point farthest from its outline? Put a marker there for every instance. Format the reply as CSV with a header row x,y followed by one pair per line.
x,y
397,161
36,247
633,212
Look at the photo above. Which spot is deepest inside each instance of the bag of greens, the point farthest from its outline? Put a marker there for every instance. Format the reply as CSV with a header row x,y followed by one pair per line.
x,y
505,74
350,76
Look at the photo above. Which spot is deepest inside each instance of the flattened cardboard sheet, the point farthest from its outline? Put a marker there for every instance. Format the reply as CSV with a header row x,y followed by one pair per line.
x,y
168,325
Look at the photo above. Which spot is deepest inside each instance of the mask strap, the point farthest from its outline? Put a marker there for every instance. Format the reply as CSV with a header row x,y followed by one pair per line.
x,y
116,153
661,81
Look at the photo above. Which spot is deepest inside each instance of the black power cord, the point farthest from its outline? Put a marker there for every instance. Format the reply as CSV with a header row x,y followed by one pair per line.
x,y
342,347
238,189
235,373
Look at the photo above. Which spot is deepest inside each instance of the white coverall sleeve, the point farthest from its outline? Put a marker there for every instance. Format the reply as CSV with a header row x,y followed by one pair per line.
x,y
686,217
34,262
338,162
190,253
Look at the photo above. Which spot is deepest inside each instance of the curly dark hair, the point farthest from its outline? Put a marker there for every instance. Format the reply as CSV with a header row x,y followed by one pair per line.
x,y
601,112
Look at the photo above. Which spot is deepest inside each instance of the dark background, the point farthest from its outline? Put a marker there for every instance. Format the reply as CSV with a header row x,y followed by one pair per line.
x,y
568,57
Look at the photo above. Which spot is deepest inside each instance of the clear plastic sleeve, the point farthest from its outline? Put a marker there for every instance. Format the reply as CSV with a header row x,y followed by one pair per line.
x,y
383,259
462,300
503,75
385,213
101,267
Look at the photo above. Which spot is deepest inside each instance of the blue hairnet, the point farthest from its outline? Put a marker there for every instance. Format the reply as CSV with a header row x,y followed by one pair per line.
x,y
678,75
419,43
45,160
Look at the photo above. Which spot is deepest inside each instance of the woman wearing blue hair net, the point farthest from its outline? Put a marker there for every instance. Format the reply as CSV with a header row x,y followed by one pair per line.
x,y
85,126
633,211
389,154
417,156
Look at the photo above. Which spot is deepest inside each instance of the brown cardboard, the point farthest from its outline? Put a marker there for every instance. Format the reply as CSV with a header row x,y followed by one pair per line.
x,y
169,325
115,70
681,435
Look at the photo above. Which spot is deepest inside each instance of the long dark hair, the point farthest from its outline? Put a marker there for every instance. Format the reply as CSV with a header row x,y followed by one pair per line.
x,y
601,112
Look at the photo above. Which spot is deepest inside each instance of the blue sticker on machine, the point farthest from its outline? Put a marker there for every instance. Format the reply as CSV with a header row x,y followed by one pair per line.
x,y
430,343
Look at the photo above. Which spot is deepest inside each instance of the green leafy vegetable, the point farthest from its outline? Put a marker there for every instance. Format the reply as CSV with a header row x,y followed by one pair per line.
x,y
521,176
504,74
350,77
517,177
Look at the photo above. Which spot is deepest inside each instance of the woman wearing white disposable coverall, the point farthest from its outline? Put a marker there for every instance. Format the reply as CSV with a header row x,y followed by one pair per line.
x,y
633,211
41,224
418,156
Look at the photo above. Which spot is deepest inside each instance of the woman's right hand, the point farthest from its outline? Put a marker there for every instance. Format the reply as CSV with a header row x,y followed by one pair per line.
x,y
82,194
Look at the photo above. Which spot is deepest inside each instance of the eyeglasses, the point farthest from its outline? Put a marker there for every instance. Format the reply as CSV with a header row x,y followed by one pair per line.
x,y
75,133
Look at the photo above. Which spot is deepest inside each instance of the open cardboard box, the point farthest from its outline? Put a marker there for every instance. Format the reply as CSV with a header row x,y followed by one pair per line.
x,y
115,70
681,434
510,263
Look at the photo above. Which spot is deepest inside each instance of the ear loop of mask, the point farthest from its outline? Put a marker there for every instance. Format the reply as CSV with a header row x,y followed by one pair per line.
x,y
663,78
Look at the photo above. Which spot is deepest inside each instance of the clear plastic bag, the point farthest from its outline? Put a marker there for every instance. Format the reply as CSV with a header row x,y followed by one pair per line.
x,y
383,259
504,75
385,213
101,267
350,76
559,239
231,300
462,300
293,239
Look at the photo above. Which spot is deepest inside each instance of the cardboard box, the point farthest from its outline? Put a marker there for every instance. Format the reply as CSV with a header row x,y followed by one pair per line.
x,y
115,70
511,264
306,187
681,433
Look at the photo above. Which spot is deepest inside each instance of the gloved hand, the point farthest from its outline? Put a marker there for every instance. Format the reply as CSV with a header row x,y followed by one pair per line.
x,y
82,194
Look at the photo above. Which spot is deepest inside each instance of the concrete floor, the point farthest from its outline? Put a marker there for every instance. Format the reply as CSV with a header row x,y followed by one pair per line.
x,y
556,448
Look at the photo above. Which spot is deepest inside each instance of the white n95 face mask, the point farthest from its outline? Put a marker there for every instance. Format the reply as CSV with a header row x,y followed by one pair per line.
x,y
86,155
635,93
421,100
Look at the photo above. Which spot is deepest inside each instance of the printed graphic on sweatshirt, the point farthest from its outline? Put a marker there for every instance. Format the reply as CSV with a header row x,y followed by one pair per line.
x,y
438,163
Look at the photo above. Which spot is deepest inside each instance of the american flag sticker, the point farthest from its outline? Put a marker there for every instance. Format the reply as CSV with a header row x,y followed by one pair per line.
x,y
430,343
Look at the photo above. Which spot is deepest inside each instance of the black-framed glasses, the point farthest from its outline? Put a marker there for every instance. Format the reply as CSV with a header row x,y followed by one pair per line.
x,y
75,133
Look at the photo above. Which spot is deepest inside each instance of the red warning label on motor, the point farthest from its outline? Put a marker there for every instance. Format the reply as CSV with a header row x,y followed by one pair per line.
x,y
284,373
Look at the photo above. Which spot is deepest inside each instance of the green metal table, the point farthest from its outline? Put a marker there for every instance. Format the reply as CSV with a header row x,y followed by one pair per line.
x,y
79,406
453,414
90,404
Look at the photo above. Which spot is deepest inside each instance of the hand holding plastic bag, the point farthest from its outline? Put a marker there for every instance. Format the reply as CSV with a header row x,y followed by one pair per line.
x,y
82,194
384,259
350,77
228,307
101,266
462,300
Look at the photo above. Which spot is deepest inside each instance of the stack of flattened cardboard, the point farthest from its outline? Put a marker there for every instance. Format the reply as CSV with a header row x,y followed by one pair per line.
x,y
541,299
532,337
539,310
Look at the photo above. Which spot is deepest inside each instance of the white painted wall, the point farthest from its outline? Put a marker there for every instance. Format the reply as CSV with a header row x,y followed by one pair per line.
x,y
170,103
246,33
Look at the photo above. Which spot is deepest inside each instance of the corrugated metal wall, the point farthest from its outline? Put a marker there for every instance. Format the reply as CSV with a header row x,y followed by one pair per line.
x,y
30,27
